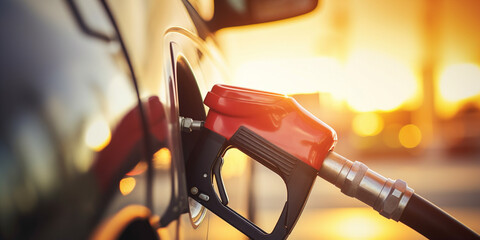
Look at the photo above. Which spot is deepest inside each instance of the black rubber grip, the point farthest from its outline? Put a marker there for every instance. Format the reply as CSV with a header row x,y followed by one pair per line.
x,y
263,151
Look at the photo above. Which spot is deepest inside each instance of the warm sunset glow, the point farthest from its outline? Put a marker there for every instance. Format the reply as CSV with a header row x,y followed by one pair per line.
x,y
378,82
367,124
354,224
369,81
348,61
293,75
398,80
459,82
359,226
235,163
348,223
127,185
410,136
98,135
162,159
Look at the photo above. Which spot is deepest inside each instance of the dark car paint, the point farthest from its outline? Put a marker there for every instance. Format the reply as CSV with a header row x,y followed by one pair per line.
x,y
57,78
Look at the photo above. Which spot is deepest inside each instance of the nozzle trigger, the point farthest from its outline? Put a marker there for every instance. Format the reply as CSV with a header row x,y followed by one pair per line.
x,y
206,160
217,167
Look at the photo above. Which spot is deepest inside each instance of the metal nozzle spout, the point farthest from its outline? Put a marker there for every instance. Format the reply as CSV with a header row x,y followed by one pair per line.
x,y
355,179
189,125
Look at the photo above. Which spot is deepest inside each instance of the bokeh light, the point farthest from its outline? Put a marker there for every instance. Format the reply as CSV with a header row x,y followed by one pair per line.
x,y
140,168
162,159
127,185
458,84
378,82
367,124
97,135
460,81
410,136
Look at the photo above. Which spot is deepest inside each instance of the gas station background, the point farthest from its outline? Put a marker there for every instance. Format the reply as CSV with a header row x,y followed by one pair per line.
x,y
400,83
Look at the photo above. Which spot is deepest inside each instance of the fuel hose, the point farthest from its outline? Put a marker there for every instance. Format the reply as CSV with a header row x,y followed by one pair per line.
x,y
432,222
392,198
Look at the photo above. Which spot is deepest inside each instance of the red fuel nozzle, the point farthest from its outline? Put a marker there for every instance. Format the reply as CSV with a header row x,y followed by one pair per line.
x,y
272,129
276,131
275,117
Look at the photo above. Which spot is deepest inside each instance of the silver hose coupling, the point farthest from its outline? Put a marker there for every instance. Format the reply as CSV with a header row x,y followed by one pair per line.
x,y
355,179
188,125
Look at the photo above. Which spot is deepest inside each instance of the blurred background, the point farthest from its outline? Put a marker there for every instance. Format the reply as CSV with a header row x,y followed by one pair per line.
x,y
400,83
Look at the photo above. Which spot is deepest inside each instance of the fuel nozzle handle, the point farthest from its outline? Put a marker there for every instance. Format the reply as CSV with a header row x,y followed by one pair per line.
x,y
273,130
392,198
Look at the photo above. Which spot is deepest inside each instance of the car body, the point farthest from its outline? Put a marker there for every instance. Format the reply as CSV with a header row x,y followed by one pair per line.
x,y
91,94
